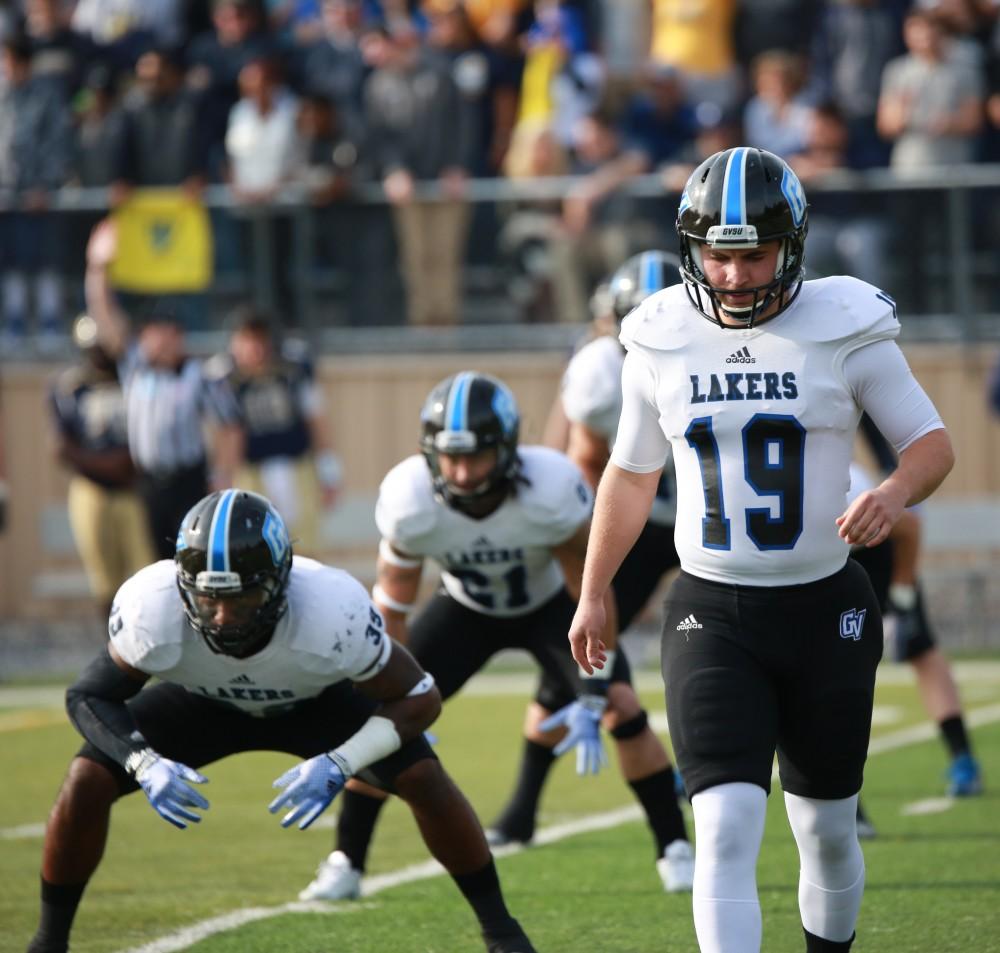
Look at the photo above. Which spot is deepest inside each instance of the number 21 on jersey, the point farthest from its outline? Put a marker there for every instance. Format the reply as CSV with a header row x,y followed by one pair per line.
x,y
773,465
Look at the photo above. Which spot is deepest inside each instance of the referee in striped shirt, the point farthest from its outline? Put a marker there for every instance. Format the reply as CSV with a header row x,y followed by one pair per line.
x,y
168,403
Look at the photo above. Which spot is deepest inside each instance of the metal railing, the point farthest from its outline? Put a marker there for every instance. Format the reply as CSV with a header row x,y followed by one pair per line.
x,y
948,287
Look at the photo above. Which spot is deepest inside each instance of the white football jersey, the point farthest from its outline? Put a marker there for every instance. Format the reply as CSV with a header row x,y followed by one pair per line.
x,y
331,631
501,565
592,396
762,423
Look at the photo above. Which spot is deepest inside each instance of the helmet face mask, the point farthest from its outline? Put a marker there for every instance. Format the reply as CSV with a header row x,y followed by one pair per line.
x,y
742,199
464,415
639,277
233,559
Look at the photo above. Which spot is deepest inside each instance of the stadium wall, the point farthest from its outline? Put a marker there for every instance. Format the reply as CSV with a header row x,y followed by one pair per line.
x,y
374,404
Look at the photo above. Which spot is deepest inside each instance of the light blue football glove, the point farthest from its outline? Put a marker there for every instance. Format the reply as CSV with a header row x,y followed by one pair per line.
x,y
310,786
165,784
582,718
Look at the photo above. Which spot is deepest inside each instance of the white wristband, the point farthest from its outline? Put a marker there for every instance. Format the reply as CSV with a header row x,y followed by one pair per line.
x,y
390,555
384,599
376,739
602,674
329,469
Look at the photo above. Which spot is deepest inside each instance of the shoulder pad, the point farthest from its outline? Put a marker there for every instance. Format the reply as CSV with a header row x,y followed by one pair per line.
x,y
147,622
406,509
556,492
661,322
840,308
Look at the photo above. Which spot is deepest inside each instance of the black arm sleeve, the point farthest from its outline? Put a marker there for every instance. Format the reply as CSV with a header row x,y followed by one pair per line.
x,y
95,703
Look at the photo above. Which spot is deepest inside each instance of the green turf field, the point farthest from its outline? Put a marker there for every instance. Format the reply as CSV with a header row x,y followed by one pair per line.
x,y
933,878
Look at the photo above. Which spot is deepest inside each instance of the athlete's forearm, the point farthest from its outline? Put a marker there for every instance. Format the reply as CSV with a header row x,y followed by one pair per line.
x,y
922,468
624,500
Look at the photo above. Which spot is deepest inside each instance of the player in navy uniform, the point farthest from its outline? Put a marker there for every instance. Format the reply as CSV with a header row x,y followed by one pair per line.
x,y
287,451
771,636
507,524
254,650
590,399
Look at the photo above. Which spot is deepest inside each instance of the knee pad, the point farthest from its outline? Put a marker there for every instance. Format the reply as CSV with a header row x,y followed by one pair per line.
x,y
629,729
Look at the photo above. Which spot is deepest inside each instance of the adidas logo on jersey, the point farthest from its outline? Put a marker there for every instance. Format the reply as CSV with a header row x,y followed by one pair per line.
x,y
742,356
689,623
482,541
241,680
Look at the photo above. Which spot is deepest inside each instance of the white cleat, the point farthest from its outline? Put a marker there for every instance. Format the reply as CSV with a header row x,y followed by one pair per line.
x,y
676,867
335,879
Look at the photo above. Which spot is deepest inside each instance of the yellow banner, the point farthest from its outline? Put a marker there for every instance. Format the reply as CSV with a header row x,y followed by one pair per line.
x,y
164,243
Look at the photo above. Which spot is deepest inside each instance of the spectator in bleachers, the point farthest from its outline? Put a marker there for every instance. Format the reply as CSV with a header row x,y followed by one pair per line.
x,y
777,116
329,156
487,93
848,233
657,124
124,29
931,105
296,22
99,130
163,138
215,59
562,81
169,402
765,25
261,137
35,154
697,40
853,43
600,226
418,133
106,516
287,451
333,66
60,54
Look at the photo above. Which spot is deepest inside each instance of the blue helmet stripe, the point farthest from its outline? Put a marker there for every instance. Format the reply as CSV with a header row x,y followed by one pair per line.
x,y
218,548
734,210
650,279
457,413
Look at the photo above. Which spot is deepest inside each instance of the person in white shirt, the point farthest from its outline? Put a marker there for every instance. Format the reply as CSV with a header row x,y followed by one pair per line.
x,y
771,636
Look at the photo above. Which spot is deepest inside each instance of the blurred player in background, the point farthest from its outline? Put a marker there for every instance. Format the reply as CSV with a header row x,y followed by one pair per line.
x,y
287,452
254,650
107,517
507,525
590,399
893,567
757,379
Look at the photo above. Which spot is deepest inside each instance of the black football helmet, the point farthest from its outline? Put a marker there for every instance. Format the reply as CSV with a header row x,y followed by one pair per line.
x,y
742,198
639,277
233,545
466,413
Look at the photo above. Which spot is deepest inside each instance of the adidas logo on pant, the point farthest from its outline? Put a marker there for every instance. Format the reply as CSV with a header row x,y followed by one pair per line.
x,y
742,356
689,623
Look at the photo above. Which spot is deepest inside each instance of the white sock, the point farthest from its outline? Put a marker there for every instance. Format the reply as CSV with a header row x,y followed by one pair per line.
x,y
729,825
832,867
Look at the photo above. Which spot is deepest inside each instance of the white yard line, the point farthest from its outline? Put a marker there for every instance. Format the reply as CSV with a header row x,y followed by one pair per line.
x,y
188,936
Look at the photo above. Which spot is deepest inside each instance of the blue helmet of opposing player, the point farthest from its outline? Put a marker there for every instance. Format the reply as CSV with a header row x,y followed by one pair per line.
x,y
233,558
639,277
743,198
464,414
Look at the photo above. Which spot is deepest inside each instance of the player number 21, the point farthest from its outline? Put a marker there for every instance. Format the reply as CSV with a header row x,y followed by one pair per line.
x,y
773,459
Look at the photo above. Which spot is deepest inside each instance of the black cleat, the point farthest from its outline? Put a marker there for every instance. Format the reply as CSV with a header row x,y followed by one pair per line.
x,y
515,943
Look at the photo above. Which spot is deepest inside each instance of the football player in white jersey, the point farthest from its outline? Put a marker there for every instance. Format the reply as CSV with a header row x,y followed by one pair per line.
x,y
771,635
508,527
590,399
254,650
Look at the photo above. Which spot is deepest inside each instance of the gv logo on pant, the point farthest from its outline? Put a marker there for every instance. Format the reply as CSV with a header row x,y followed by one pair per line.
x,y
851,623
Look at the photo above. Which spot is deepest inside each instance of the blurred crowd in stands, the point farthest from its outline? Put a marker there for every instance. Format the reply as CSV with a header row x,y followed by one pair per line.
x,y
326,95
